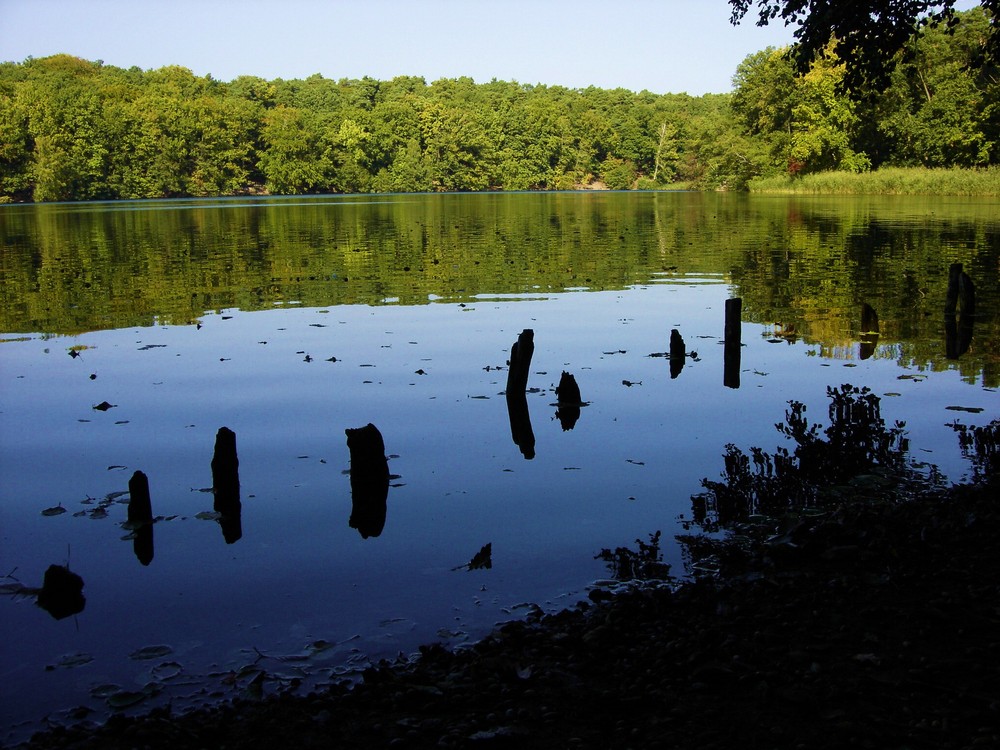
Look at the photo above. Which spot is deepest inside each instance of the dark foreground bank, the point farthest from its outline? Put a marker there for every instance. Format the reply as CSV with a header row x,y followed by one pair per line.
x,y
871,626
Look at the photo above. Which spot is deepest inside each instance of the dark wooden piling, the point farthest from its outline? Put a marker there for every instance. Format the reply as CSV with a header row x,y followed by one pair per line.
x,y
369,480
62,592
733,342
677,353
226,485
140,507
520,361
568,392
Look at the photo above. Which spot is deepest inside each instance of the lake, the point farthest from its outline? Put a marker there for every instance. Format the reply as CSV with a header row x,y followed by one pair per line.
x,y
130,333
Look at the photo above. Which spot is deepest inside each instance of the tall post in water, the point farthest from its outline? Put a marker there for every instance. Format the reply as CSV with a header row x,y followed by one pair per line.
x,y
733,342
517,384
140,517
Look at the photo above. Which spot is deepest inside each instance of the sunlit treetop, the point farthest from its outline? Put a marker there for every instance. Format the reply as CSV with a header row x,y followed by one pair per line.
x,y
868,34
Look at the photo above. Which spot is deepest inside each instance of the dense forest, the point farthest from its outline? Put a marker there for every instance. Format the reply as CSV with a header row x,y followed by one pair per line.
x,y
72,129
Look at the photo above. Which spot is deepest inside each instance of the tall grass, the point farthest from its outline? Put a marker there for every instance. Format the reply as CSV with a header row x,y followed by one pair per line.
x,y
886,181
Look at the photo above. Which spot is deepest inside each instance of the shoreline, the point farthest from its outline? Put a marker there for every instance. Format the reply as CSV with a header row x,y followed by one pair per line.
x,y
873,624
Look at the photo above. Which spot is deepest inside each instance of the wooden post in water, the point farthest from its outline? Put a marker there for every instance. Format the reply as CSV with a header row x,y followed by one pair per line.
x,y
733,343
677,353
520,362
226,485
517,384
140,517
140,508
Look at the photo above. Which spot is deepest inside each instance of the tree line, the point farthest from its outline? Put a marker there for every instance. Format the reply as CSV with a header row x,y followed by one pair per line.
x,y
72,129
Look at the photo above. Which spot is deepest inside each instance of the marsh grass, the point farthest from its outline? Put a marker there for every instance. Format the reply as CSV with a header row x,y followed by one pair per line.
x,y
886,181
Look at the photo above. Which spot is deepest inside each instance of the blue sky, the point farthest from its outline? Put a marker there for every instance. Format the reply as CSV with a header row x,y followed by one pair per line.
x,y
659,45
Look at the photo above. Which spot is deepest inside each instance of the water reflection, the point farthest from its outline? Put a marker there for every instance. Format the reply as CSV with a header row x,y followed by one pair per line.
x,y
226,485
520,423
869,331
961,295
369,480
857,447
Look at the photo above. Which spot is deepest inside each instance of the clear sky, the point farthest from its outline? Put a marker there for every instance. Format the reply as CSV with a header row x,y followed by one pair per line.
x,y
661,45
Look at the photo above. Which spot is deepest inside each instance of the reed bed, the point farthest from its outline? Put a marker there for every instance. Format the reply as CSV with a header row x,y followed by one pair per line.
x,y
886,181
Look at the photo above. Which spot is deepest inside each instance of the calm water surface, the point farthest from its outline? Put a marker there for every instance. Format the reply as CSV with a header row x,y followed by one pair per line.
x,y
291,320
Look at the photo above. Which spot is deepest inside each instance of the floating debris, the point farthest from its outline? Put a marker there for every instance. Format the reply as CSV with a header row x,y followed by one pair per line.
x,y
55,510
104,406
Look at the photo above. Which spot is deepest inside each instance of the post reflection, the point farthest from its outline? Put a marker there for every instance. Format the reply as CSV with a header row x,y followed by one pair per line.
x,y
369,480
961,296
869,331
520,423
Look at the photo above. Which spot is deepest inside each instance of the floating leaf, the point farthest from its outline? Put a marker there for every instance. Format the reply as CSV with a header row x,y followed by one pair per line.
x,y
208,515
166,670
104,406
55,510
970,409
125,698
150,652
104,691
74,660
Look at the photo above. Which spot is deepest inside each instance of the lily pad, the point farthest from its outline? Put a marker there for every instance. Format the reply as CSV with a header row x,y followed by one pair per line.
x,y
104,691
126,698
73,660
55,510
166,670
150,652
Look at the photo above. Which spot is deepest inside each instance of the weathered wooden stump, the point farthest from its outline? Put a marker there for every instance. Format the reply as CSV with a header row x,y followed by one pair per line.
x,y
520,361
226,485
140,507
733,343
677,353
62,592
369,480
140,517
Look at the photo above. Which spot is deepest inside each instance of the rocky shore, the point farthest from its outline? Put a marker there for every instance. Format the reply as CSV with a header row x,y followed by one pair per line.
x,y
874,625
